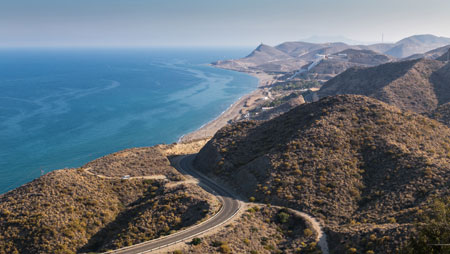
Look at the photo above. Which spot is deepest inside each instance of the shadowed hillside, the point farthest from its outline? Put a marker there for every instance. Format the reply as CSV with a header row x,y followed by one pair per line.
x,y
445,56
437,54
361,165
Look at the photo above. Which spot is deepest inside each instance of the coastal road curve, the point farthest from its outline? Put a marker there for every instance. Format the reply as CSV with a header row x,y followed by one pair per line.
x,y
230,207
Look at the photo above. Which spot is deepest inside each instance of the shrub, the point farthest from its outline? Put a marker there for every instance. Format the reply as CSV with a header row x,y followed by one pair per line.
x,y
351,250
217,243
224,248
433,230
196,241
392,220
307,232
283,217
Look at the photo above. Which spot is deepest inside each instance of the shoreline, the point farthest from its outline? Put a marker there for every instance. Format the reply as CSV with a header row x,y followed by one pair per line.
x,y
199,137
234,112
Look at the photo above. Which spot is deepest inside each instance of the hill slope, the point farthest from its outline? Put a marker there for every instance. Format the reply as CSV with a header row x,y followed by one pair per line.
x,y
417,85
417,44
365,57
265,58
262,229
437,54
442,114
72,210
445,56
343,60
347,159
291,56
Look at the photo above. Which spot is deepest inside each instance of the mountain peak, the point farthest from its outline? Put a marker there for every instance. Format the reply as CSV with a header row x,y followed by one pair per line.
x,y
423,38
262,46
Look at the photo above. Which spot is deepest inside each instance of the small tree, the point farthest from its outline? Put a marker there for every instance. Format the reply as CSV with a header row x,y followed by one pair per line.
x,y
433,235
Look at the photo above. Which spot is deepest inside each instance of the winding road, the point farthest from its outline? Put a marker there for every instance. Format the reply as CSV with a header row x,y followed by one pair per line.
x,y
230,207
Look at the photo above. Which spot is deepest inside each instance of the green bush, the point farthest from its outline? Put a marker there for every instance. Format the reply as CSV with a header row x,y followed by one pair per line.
x,y
196,241
283,217
433,231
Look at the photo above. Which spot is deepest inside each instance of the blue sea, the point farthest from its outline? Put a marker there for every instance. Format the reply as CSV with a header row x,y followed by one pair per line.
x,y
61,108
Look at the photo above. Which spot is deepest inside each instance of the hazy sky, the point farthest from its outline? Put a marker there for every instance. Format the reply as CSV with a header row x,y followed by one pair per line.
x,y
213,22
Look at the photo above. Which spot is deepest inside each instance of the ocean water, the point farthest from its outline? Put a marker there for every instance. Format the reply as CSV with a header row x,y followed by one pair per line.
x,y
62,108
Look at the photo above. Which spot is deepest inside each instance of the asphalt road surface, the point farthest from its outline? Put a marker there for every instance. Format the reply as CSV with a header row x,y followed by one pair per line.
x,y
230,206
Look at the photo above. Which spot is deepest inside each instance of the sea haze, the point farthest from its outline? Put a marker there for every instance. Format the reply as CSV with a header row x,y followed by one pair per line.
x,y
61,108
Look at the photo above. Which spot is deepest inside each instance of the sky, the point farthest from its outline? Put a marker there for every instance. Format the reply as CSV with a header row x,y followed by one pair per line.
x,y
213,23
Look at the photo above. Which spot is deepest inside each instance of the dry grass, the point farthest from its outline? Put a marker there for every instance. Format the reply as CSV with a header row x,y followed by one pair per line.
x,y
146,161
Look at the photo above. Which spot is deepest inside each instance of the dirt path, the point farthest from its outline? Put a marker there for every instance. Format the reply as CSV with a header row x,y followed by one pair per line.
x,y
156,177
321,236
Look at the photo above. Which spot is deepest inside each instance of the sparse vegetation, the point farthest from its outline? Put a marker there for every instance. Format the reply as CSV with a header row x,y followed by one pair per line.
x,y
68,211
274,237
418,85
362,163
144,161
442,114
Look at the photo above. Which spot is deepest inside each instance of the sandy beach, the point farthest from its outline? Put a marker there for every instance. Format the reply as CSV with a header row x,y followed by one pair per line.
x,y
235,111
